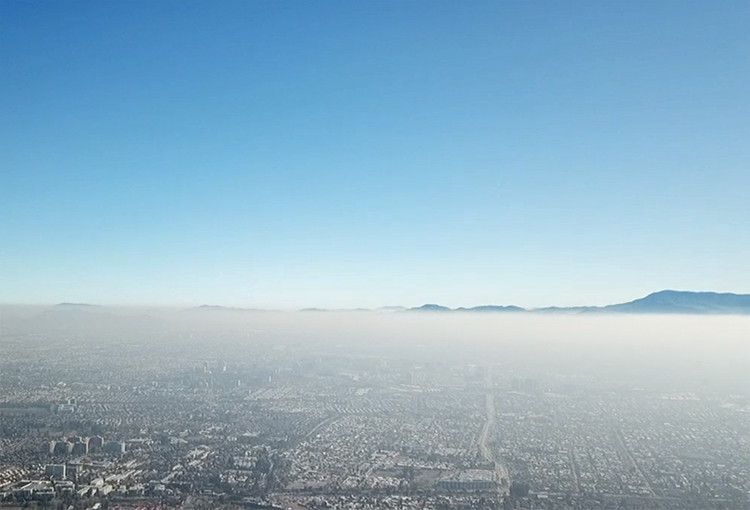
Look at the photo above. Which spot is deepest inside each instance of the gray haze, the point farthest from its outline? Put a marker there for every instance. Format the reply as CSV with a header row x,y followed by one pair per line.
x,y
227,408
684,352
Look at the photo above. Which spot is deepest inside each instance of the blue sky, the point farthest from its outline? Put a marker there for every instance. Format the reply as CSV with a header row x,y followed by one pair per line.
x,y
346,154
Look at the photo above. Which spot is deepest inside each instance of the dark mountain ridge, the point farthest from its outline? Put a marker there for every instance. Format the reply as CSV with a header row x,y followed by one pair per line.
x,y
430,307
672,301
491,309
662,302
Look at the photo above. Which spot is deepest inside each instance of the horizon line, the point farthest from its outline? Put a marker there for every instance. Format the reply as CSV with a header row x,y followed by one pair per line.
x,y
360,309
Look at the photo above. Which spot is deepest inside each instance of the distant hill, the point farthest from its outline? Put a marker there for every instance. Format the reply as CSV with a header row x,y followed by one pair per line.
x,y
218,308
430,308
76,305
662,302
339,310
674,301
391,309
569,310
492,309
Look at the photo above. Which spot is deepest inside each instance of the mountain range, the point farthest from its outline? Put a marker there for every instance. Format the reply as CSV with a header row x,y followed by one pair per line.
x,y
662,302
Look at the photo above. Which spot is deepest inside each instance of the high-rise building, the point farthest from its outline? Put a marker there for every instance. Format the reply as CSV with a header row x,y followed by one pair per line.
x,y
80,448
114,447
96,443
60,447
56,471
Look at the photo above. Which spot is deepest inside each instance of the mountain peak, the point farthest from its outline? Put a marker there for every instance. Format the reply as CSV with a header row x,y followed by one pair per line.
x,y
492,308
660,302
430,307
76,305
679,301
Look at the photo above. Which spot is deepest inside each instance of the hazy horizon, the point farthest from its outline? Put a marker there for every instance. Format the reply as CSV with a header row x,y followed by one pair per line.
x,y
293,155
354,307
643,348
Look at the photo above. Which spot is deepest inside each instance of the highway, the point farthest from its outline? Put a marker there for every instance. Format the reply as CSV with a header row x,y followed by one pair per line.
x,y
501,472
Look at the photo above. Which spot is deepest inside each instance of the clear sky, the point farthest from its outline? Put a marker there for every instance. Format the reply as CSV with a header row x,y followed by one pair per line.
x,y
347,154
